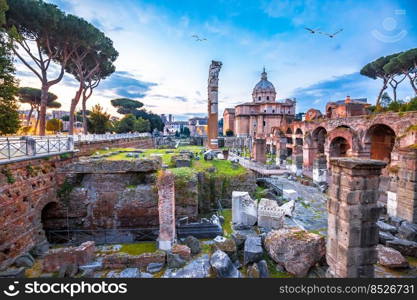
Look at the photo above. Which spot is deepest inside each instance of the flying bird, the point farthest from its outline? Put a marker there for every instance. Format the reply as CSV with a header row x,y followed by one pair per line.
x,y
334,34
312,31
198,38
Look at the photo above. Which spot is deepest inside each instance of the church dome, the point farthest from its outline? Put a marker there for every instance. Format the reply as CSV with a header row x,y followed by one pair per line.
x,y
264,90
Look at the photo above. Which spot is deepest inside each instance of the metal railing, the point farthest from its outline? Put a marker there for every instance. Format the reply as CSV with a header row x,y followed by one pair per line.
x,y
30,146
108,136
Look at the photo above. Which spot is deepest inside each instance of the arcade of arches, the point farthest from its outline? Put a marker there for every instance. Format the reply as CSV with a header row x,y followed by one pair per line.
x,y
387,137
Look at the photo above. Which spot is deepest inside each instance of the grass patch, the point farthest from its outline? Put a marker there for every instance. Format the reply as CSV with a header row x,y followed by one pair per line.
x,y
139,248
227,226
273,272
260,192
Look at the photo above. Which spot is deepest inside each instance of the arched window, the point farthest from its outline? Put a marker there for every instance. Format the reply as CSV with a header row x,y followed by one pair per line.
x,y
267,98
259,98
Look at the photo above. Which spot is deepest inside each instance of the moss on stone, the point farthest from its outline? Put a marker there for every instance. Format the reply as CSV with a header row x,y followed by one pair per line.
x,y
139,248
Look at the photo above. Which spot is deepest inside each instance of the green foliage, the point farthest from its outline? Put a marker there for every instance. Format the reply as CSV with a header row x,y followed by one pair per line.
x,y
130,123
64,191
99,120
132,107
32,96
54,125
9,175
126,106
9,116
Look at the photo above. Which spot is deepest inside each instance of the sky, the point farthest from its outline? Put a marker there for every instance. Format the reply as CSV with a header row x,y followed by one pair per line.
x,y
161,65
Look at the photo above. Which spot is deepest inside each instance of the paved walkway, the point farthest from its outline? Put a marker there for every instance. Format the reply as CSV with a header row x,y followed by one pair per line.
x,y
256,167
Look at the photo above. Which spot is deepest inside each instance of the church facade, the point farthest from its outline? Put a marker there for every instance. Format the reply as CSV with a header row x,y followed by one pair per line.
x,y
262,115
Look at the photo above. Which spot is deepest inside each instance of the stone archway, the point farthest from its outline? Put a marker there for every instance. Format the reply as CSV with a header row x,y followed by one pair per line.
x,y
380,140
339,147
51,218
319,139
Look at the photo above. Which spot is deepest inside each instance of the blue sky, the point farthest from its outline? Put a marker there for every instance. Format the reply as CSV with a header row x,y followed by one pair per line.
x,y
162,66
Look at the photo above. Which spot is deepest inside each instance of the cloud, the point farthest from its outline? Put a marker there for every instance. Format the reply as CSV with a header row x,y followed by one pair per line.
x,y
125,84
336,88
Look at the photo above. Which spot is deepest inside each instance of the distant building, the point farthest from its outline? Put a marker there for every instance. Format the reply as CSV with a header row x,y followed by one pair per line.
x,y
259,117
172,127
228,120
198,126
347,108
59,114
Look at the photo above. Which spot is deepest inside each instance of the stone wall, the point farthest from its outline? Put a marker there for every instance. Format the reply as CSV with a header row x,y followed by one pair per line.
x,y
26,187
213,189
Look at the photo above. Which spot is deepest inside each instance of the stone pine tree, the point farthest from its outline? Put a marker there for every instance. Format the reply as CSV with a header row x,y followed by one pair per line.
x,y
43,38
375,70
32,96
408,61
127,106
9,116
106,69
91,62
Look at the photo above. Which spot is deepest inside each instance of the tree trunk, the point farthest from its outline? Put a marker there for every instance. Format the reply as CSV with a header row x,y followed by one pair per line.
x,y
394,91
378,100
29,116
44,103
37,122
413,84
85,125
74,103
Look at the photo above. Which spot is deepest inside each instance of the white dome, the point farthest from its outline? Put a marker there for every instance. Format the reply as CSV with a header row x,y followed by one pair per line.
x,y
264,90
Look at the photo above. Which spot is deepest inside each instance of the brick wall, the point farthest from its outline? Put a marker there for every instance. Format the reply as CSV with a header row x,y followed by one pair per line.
x,y
26,187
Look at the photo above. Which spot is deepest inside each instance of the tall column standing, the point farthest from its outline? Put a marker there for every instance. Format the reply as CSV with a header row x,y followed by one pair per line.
x,y
213,111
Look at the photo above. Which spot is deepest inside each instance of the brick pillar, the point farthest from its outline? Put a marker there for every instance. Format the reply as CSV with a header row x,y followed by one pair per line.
x,y
281,151
353,213
407,185
320,169
259,150
166,208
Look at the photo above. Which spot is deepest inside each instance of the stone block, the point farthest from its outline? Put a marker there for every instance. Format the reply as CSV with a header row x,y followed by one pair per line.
x,y
270,215
289,194
253,251
55,259
244,209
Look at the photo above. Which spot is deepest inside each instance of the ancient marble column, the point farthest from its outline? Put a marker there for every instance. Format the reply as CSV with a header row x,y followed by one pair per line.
x,y
353,213
259,150
213,111
406,198
166,208
320,169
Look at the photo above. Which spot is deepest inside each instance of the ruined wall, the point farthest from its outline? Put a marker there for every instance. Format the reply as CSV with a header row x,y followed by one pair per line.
x,y
212,189
88,148
26,187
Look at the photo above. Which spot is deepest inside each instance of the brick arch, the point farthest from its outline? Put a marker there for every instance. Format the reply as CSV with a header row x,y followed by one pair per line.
x,y
348,134
379,141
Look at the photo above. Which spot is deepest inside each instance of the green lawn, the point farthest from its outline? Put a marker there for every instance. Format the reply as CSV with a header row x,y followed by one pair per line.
x,y
223,167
